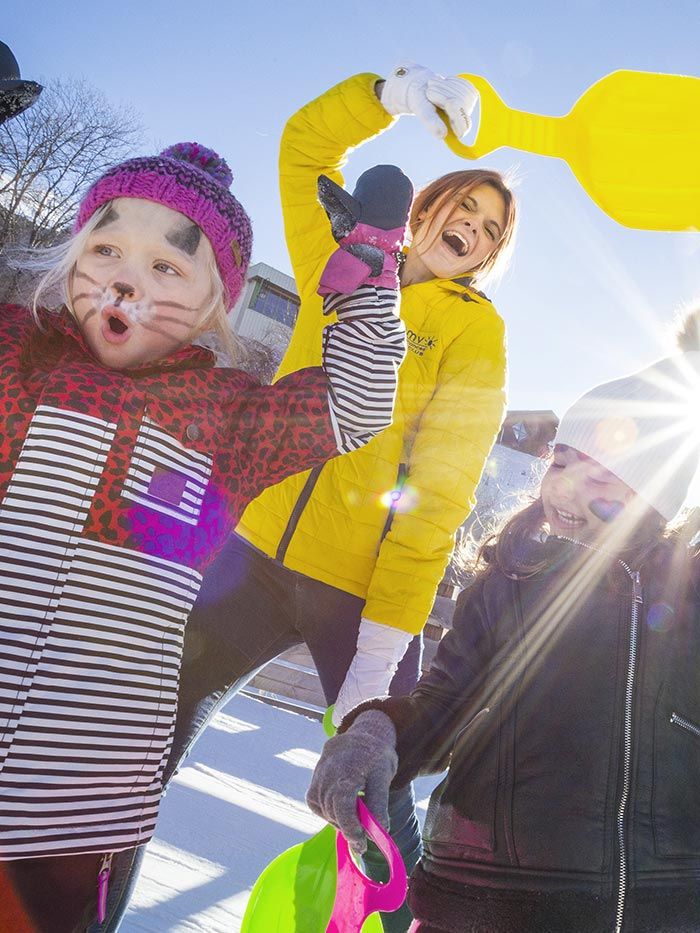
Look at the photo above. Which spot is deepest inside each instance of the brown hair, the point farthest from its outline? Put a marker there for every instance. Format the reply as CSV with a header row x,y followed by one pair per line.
x,y
458,184
512,553
508,550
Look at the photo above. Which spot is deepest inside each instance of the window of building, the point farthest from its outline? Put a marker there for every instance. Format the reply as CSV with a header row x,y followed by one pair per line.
x,y
274,303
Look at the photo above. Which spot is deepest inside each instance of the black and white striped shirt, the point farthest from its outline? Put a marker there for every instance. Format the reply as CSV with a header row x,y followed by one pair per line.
x,y
361,357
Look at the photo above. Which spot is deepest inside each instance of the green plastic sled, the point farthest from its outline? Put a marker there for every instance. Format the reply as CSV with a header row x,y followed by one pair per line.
x,y
296,892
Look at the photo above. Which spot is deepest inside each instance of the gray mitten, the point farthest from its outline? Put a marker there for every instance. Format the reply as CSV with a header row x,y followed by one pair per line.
x,y
361,759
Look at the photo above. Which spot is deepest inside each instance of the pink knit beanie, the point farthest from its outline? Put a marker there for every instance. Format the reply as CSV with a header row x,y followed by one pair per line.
x,y
195,181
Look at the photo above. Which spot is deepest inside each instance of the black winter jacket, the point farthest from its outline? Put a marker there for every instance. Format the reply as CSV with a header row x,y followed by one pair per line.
x,y
568,707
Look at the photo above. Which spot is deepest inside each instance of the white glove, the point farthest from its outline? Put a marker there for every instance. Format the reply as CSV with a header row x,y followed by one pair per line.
x,y
419,91
379,650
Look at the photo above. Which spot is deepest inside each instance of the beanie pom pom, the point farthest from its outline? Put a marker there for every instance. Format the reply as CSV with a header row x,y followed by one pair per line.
x,y
206,160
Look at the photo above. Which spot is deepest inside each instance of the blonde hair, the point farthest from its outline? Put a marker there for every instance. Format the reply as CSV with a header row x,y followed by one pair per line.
x,y
456,185
58,263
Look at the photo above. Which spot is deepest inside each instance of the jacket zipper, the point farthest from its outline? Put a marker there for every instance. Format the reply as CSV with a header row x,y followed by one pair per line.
x,y
103,885
624,797
627,730
686,724
299,507
395,497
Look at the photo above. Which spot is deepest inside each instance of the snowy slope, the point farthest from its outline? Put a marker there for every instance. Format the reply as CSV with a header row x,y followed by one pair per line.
x,y
237,804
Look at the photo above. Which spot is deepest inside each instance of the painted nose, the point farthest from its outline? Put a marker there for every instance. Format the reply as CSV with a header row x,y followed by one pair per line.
x,y
123,290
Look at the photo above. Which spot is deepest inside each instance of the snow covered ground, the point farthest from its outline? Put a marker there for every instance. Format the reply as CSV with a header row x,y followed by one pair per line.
x,y
237,804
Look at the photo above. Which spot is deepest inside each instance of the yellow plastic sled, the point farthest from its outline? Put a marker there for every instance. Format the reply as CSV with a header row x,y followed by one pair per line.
x,y
632,140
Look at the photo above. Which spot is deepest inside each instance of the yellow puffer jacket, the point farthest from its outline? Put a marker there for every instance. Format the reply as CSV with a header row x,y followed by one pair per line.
x,y
335,524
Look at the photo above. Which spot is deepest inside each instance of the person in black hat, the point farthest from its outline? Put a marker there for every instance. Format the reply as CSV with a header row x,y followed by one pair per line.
x,y
15,93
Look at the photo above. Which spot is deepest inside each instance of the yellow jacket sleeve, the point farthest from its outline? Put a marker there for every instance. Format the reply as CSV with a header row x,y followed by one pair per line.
x,y
455,434
317,140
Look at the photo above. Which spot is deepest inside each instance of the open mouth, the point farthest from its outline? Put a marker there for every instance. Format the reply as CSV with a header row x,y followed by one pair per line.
x,y
115,325
455,242
568,519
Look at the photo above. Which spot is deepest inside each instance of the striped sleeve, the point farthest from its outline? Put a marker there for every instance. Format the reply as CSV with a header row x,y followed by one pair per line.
x,y
361,357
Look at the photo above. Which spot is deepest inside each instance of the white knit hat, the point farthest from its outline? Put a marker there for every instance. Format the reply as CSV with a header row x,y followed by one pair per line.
x,y
644,428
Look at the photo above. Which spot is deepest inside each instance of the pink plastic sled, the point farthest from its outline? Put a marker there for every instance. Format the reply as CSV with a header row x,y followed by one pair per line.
x,y
357,896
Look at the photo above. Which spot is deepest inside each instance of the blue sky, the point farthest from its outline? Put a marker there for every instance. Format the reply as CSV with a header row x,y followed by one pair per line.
x,y
584,300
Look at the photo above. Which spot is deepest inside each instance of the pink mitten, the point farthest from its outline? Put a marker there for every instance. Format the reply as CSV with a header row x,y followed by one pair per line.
x,y
369,225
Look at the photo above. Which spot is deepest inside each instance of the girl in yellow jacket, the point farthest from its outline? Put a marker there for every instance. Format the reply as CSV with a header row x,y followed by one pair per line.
x,y
379,524
347,558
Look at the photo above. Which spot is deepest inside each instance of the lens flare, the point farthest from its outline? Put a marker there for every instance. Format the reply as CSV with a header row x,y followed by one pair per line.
x,y
660,617
404,499
616,434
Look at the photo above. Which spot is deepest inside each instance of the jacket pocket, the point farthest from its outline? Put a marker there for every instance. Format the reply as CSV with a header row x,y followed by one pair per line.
x,y
462,811
165,475
686,724
448,833
676,781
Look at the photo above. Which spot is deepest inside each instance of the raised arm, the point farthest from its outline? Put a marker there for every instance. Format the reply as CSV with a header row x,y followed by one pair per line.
x,y
363,350
316,141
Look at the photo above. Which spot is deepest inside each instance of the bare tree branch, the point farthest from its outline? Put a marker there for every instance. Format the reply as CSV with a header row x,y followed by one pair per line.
x,y
49,156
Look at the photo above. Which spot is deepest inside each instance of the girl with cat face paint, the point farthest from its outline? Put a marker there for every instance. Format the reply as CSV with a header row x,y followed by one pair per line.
x,y
126,458
565,701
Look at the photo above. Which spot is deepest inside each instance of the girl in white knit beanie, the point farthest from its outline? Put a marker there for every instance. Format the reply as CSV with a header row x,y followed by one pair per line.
x,y
566,699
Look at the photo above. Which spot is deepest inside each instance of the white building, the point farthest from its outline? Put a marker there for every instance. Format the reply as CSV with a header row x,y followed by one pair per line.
x,y
267,308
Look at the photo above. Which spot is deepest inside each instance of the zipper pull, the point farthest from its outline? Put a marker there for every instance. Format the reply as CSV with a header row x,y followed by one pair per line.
x,y
102,886
636,587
